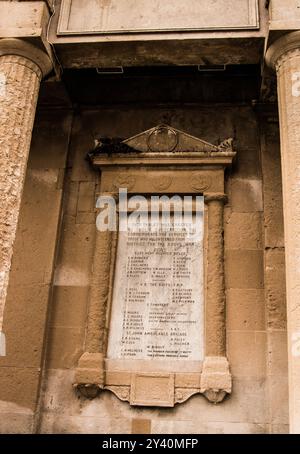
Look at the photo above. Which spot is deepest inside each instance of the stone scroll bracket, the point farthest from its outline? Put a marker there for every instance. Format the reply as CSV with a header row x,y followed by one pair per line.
x,y
162,160
216,380
90,375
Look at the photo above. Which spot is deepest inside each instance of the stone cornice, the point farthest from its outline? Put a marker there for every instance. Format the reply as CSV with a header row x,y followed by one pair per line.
x,y
22,48
282,48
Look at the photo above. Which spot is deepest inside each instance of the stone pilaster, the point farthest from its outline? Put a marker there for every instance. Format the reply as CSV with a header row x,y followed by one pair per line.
x,y
22,67
284,56
215,377
90,374
215,304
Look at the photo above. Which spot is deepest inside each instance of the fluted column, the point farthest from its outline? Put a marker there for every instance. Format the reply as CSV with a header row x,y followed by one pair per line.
x,y
284,56
22,67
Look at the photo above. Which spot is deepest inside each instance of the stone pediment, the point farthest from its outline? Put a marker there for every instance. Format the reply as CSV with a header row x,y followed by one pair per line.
x,y
164,138
161,139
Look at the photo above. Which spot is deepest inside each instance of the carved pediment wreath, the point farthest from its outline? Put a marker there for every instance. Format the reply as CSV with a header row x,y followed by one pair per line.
x,y
157,161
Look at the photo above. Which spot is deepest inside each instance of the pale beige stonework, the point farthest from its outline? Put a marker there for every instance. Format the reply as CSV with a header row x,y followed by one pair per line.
x,y
22,67
284,55
56,320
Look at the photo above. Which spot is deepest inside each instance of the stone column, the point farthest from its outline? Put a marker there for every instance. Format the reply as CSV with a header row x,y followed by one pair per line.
x,y
215,300
22,67
90,373
215,377
284,56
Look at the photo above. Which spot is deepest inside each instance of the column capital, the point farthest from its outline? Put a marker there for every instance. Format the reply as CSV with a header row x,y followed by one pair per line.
x,y
215,196
22,48
281,48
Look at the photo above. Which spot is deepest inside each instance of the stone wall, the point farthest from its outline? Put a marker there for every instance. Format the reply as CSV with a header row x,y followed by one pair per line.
x,y
254,282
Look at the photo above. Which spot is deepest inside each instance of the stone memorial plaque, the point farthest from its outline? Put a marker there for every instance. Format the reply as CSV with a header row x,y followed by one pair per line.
x,y
133,16
158,302
149,301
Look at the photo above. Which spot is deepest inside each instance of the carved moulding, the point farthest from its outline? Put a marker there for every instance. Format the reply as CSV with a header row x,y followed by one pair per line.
x,y
186,165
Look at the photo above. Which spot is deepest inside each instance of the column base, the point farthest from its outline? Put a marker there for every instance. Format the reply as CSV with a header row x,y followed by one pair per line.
x,y
216,380
90,374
